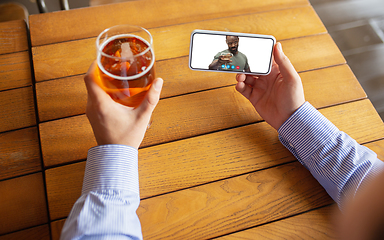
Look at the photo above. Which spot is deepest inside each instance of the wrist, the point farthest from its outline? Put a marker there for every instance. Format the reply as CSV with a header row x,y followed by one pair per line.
x,y
306,129
288,114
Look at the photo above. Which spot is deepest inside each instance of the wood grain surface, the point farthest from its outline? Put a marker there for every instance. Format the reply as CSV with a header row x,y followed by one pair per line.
x,y
58,137
190,162
61,98
20,152
316,224
215,209
233,204
51,56
23,203
60,189
35,233
15,70
331,86
15,67
66,25
56,227
17,109
13,36
209,166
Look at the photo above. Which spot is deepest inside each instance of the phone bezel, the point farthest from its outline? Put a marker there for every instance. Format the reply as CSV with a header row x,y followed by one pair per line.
x,y
199,31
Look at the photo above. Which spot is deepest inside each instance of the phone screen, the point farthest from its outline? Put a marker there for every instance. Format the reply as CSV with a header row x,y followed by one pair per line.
x,y
231,52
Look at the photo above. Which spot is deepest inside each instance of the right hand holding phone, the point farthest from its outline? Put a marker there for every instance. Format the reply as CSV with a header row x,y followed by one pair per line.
x,y
275,96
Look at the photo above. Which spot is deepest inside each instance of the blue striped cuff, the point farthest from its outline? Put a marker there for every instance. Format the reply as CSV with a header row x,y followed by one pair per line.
x,y
305,131
112,167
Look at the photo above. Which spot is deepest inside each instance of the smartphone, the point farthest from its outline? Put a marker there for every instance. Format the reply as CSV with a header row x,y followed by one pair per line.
x,y
231,52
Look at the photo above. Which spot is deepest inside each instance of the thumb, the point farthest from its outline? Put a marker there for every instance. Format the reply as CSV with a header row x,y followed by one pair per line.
x,y
285,66
152,97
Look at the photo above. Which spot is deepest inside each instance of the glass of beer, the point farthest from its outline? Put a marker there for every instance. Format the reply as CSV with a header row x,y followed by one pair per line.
x,y
125,59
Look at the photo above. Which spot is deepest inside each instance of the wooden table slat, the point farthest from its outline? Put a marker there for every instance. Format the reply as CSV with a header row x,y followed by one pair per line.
x,y
20,152
177,36
40,233
331,86
61,98
296,223
230,205
15,70
57,185
65,25
23,203
56,227
233,204
17,109
15,67
316,224
182,164
13,36
58,137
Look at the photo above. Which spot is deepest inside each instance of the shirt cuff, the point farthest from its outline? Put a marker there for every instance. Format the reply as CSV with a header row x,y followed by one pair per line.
x,y
112,167
305,131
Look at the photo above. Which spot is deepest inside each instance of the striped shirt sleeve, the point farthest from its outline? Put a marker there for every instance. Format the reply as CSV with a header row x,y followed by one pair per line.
x,y
111,167
337,161
110,196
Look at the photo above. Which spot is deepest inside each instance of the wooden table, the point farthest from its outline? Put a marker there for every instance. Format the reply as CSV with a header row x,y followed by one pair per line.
x,y
209,165
22,190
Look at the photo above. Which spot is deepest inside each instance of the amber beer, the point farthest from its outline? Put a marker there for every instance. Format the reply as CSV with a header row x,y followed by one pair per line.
x,y
126,67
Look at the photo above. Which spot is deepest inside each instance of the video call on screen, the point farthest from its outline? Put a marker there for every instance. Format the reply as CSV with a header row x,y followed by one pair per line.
x,y
256,52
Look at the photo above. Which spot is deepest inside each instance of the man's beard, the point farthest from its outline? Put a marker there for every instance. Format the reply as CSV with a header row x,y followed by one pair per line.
x,y
233,50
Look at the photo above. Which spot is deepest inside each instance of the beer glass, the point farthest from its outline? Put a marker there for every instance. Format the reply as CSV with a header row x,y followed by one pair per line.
x,y
125,59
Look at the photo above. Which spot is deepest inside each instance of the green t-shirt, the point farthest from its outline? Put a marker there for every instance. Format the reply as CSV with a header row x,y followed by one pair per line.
x,y
239,62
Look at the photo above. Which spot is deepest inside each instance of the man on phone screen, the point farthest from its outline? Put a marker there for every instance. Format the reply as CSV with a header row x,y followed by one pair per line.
x,y
230,59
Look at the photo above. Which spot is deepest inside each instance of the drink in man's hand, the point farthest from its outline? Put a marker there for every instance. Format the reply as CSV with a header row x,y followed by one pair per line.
x,y
126,65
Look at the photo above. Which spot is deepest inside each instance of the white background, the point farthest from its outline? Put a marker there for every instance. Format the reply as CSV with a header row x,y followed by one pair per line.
x,y
206,46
